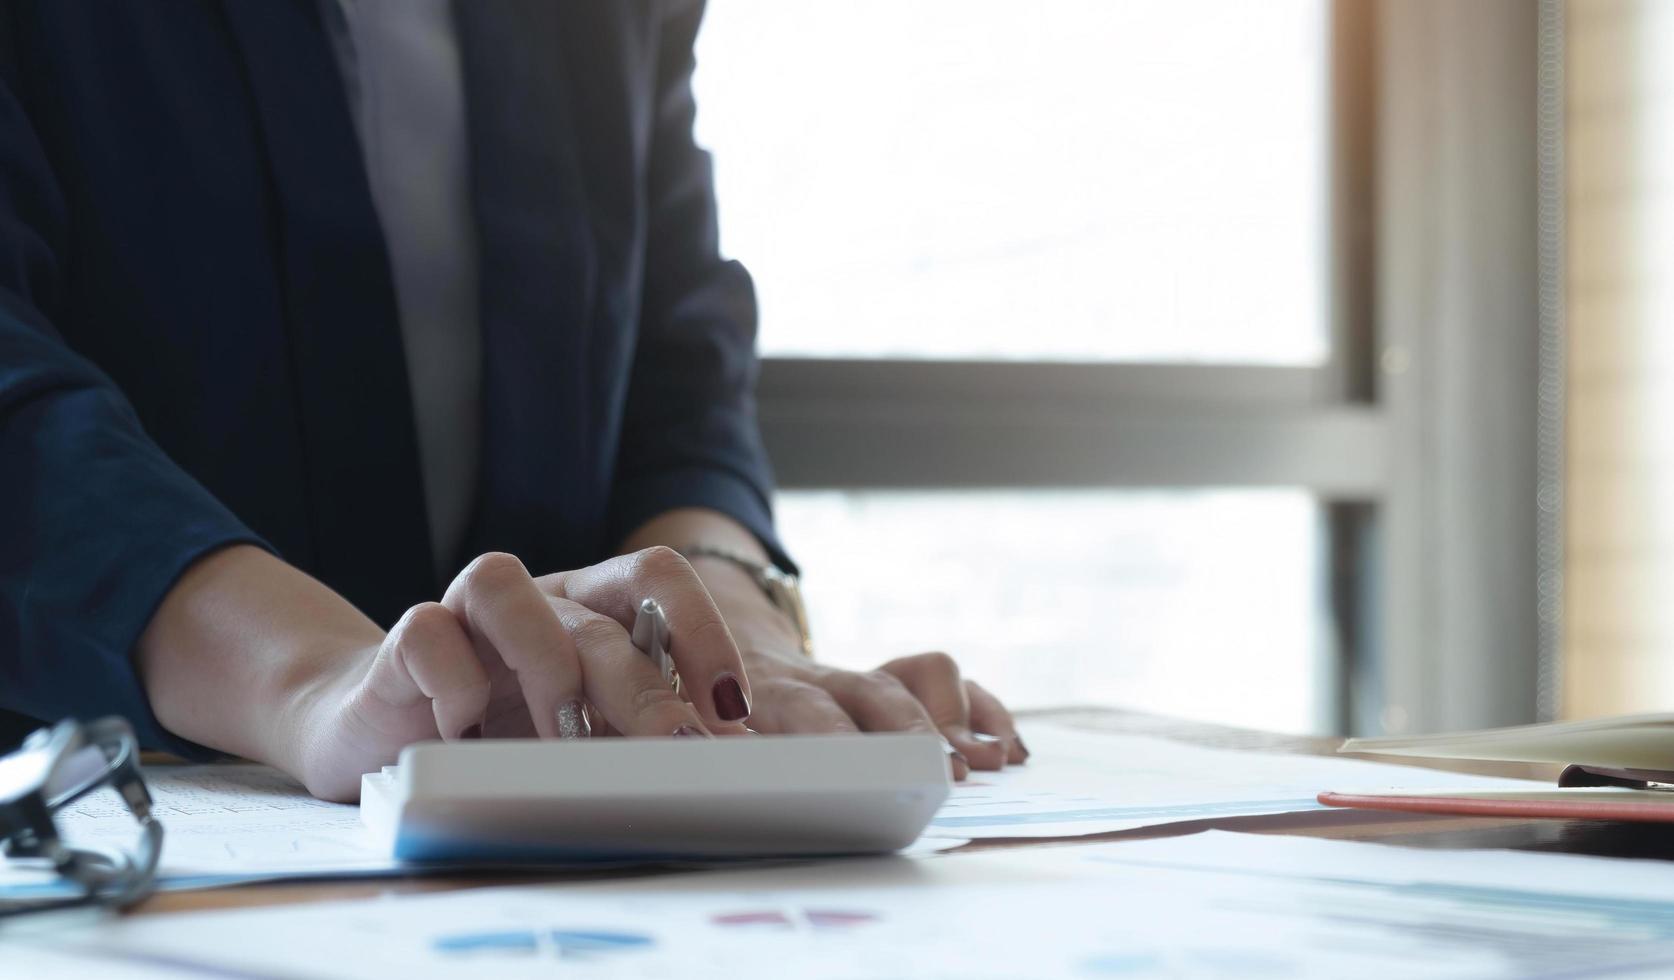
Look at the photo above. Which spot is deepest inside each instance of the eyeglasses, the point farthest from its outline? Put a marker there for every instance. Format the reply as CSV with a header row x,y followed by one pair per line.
x,y
54,768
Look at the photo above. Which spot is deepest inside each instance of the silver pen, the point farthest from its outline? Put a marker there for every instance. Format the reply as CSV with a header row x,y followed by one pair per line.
x,y
650,635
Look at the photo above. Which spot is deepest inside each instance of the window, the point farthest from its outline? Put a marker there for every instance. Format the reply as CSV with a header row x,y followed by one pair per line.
x,y
1227,305
1200,604
919,187
1079,180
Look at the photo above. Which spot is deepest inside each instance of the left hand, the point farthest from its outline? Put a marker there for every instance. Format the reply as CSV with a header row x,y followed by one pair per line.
x,y
792,693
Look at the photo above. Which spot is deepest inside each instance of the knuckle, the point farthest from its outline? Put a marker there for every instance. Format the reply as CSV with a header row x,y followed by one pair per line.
x,y
425,624
785,689
711,631
792,688
653,700
917,721
809,701
555,585
938,664
883,684
661,562
816,701
589,628
493,571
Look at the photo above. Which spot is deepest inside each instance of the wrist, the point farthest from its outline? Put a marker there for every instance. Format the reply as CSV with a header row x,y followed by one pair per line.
x,y
239,650
307,694
757,625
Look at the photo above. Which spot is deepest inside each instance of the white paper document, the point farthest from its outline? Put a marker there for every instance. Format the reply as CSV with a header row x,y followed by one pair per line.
x,y
226,824
1205,905
222,824
1079,783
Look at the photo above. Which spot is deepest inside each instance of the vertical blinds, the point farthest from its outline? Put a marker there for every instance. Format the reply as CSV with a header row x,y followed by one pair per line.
x,y
1619,509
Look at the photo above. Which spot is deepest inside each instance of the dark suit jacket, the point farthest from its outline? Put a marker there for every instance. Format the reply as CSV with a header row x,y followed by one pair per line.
x,y
198,333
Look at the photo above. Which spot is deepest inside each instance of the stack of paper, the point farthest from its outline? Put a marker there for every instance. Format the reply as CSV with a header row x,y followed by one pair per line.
x,y
1618,769
234,823
1212,904
1643,742
1080,783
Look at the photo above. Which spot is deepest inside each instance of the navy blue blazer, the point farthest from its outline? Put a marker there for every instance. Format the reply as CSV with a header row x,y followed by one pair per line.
x,y
199,342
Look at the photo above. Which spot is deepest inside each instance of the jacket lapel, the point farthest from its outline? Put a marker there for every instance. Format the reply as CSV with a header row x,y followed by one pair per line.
x,y
370,534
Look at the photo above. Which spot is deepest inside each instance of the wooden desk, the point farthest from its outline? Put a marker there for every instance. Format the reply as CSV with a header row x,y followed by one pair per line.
x,y
1576,837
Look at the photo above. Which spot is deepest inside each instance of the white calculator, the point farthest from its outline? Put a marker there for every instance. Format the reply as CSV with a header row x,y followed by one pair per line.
x,y
615,799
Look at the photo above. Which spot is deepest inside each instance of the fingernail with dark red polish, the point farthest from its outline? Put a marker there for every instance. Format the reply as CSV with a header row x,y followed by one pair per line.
x,y
473,730
687,731
955,754
572,720
730,702
1021,747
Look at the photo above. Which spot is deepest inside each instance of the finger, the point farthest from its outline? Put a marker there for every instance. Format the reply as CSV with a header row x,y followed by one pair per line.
x,y
989,715
699,641
620,681
427,656
791,707
933,678
509,619
596,722
879,702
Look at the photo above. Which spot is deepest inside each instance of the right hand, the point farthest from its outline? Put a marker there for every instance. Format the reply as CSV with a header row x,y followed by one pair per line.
x,y
500,656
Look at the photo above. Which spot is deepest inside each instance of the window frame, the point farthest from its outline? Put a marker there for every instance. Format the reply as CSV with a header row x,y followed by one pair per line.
x,y
1417,486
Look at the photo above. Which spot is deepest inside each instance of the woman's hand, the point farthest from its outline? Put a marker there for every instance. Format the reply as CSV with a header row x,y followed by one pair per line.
x,y
250,656
920,693
504,656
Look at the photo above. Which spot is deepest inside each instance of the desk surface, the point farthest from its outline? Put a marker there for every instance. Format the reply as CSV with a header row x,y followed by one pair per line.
x,y
1575,837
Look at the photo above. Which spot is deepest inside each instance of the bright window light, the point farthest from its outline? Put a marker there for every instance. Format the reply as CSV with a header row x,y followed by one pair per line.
x,y
1075,180
1198,604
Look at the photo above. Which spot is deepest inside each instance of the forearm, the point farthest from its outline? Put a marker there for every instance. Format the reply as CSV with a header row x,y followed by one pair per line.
x,y
757,626
236,648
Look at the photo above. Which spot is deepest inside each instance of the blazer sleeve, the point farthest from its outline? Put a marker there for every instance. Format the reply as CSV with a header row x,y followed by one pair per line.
x,y
96,523
690,437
